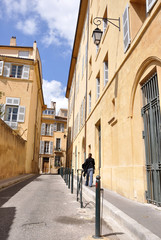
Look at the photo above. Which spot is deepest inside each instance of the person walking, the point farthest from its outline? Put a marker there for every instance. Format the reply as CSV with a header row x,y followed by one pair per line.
x,y
89,167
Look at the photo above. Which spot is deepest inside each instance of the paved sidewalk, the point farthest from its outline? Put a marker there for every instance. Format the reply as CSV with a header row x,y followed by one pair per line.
x,y
140,221
46,209
10,181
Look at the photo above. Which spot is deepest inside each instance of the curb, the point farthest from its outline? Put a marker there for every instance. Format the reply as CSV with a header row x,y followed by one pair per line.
x,y
113,214
9,182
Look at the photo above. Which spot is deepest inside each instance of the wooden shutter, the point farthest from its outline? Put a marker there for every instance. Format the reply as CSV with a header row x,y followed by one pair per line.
x,y
50,147
55,127
13,101
1,67
62,127
126,28
43,128
6,70
149,4
51,129
21,114
41,147
25,72
105,72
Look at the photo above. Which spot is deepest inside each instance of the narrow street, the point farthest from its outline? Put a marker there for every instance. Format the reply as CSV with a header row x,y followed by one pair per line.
x,y
45,209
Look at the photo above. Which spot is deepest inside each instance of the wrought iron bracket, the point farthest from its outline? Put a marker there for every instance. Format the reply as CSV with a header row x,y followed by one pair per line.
x,y
97,21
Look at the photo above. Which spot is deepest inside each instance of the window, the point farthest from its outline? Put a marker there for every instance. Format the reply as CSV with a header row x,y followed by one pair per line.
x,y
16,71
105,72
49,112
149,5
58,127
98,87
11,113
47,129
57,161
89,102
46,149
58,140
23,54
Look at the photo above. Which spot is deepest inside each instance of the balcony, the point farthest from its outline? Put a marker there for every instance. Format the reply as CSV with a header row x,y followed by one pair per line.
x,y
57,149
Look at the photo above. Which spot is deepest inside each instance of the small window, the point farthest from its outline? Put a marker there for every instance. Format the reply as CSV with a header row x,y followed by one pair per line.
x,y
58,127
23,54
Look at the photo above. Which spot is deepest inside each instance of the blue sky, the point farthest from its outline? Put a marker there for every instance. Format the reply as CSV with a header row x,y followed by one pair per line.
x,y
52,24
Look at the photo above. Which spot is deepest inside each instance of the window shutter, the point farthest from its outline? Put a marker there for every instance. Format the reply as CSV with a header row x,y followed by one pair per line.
x,y
2,111
41,147
51,129
43,129
105,72
126,28
21,114
62,127
55,127
6,71
149,4
82,66
13,101
26,71
1,67
51,148
98,87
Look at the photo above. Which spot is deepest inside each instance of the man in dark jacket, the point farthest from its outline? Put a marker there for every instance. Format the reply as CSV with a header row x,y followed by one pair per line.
x,y
89,167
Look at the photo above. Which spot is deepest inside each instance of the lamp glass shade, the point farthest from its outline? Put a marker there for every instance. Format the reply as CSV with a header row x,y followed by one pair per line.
x,y
97,35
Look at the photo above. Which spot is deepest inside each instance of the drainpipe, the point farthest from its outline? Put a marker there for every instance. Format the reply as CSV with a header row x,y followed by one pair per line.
x,y
86,85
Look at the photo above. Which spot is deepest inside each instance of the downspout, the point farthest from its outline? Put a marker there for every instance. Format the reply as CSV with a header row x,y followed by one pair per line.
x,y
35,123
85,148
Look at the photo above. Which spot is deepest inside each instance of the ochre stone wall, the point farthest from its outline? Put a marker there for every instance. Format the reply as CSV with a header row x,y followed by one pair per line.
x,y
12,152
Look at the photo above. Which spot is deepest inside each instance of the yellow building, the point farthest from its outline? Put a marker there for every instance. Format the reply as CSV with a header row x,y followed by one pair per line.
x,y
21,84
53,140
113,91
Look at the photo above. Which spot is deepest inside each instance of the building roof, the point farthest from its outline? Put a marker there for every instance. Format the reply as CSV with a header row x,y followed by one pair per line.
x,y
77,40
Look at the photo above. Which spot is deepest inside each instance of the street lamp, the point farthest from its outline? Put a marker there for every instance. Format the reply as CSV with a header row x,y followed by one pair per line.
x,y
97,33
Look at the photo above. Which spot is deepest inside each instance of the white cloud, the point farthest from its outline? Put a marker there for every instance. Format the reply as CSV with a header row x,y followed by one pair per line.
x,y
59,15
54,91
28,27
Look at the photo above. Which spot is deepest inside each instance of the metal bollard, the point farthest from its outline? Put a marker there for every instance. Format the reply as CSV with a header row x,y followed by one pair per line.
x,y
72,181
81,202
68,177
97,210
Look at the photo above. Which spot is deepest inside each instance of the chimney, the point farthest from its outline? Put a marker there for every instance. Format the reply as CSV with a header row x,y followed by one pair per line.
x,y
53,105
34,49
13,41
